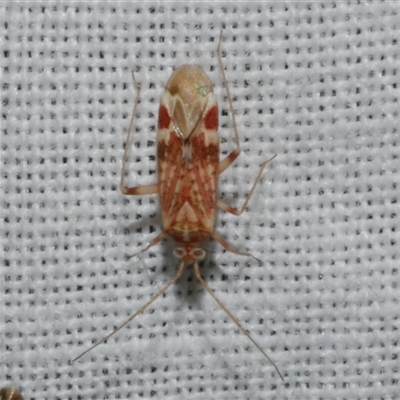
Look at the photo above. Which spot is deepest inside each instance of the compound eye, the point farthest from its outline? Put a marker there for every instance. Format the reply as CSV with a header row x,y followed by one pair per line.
x,y
198,254
179,253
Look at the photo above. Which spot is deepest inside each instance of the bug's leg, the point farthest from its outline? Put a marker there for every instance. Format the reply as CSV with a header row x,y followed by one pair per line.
x,y
135,190
154,241
235,211
228,160
141,309
227,246
231,316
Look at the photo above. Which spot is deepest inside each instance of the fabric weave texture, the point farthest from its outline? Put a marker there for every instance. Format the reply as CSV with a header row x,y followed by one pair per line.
x,y
317,84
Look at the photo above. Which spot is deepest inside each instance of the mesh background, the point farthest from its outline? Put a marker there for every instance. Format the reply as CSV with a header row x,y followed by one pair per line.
x,y
315,83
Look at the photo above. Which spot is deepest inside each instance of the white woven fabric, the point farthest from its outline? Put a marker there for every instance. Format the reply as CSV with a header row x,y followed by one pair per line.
x,y
315,83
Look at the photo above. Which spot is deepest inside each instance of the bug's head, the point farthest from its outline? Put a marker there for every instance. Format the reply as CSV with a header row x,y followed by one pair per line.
x,y
189,255
187,95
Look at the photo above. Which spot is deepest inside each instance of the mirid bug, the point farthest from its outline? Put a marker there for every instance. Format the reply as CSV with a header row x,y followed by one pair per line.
x,y
188,170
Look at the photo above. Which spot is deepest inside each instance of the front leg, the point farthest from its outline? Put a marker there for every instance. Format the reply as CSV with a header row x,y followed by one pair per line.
x,y
135,190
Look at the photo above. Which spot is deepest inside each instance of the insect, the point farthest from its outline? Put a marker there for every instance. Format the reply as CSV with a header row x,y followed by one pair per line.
x,y
7,393
188,171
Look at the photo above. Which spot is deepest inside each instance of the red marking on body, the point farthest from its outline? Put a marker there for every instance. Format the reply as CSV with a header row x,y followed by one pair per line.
x,y
205,170
163,118
211,119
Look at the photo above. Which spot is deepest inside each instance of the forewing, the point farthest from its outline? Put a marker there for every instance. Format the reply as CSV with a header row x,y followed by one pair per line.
x,y
205,159
169,161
